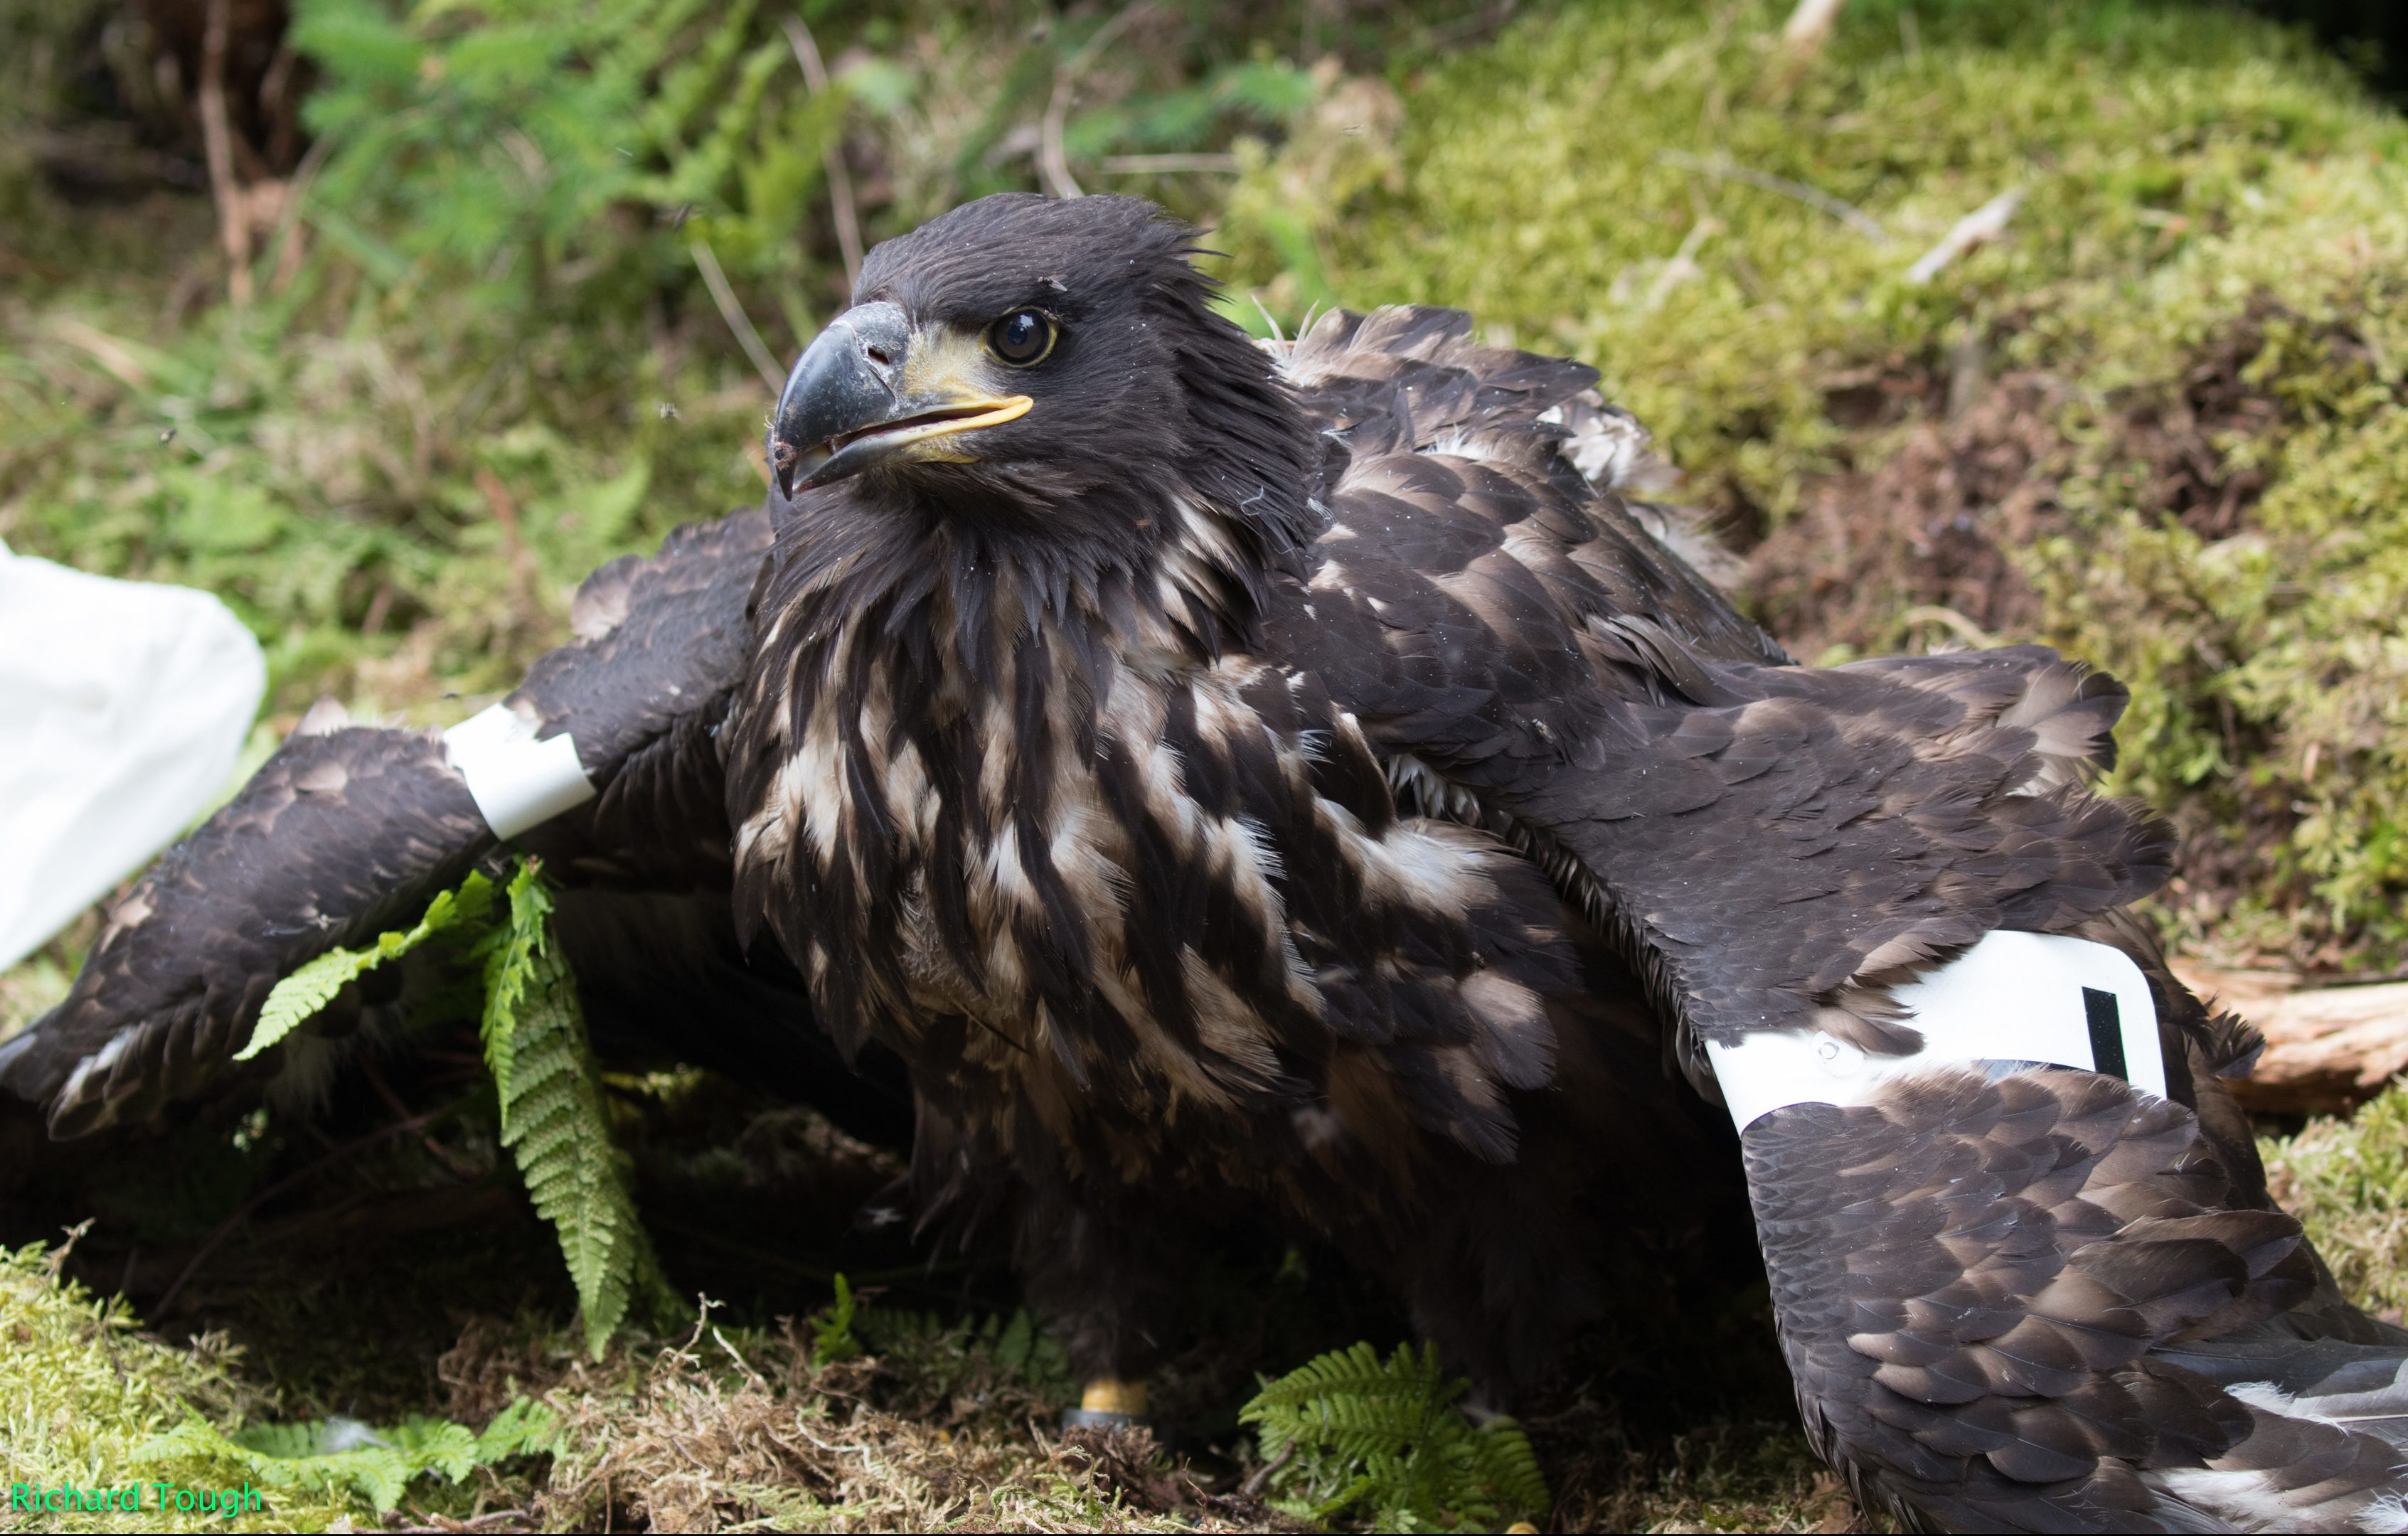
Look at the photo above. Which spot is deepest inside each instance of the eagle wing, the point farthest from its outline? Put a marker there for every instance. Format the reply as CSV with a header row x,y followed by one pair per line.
x,y
1768,841
348,831
1981,1277
2009,1298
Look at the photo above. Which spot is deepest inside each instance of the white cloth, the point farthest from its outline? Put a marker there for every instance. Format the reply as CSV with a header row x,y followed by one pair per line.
x,y
2012,997
123,706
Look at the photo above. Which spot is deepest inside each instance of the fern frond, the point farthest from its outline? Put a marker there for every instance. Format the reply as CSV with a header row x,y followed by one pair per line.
x,y
832,1335
514,951
299,996
1356,1429
340,1456
1507,1463
552,1114
553,1119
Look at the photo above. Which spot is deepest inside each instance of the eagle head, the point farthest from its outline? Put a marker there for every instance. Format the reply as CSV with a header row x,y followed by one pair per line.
x,y
1052,370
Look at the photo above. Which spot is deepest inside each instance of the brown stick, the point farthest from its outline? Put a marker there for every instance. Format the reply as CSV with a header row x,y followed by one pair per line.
x,y
1053,162
723,295
840,177
2328,1049
506,513
289,236
1810,25
217,137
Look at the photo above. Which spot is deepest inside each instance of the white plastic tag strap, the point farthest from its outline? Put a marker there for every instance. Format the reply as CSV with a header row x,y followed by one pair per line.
x,y
518,781
2012,997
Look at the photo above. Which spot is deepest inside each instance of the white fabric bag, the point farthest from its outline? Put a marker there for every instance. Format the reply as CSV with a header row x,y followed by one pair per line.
x,y
123,706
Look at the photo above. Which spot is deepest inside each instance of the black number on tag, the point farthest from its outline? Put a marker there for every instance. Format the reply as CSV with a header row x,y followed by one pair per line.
x,y
2106,1033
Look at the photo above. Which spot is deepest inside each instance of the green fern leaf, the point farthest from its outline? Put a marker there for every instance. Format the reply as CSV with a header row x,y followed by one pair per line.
x,y
299,996
553,1118
1356,1429
339,1456
832,1335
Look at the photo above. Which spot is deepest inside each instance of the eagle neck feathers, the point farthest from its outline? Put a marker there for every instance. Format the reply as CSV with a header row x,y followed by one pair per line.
x,y
924,703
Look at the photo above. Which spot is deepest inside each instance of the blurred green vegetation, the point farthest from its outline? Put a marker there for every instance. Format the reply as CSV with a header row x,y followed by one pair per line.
x,y
2346,1179
482,352
84,1391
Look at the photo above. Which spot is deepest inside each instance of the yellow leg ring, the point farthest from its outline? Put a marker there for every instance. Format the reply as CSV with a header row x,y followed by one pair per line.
x,y
1111,1395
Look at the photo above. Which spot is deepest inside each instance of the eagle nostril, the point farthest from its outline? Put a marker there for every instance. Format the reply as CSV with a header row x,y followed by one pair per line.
x,y
878,354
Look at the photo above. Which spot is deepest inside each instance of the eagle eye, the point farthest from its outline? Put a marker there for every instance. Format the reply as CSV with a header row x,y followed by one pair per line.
x,y
1021,339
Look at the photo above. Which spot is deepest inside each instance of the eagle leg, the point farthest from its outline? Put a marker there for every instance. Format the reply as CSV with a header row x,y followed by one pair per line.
x,y
1110,1277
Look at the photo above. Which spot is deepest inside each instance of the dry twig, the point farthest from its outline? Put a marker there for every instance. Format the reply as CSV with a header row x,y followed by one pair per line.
x,y
1052,164
1986,223
840,175
216,138
1949,619
737,321
1810,24
1723,168
251,1206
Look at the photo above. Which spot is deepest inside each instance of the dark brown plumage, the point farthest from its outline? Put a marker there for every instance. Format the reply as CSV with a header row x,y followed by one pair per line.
x,y
1213,823
348,830
1297,784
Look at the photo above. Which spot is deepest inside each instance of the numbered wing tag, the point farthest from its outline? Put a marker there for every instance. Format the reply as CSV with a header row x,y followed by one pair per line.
x,y
2012,997
518,781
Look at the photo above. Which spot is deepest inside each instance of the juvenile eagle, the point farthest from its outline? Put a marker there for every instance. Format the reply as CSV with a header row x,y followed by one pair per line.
x,y
1291,783
1297,783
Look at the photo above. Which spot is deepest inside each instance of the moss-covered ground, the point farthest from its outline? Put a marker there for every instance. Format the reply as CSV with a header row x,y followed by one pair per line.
x,y
2156,418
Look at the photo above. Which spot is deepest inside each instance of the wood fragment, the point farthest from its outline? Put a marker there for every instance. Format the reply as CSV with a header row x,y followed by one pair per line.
x,y
2328,1049
840,175
1986,223
1810,25
217,140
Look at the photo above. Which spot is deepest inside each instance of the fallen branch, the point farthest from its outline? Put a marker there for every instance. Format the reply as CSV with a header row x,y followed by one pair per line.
x,y
840,175
1723,168
1986,223
737,321
216,138
2327,1049
1053,162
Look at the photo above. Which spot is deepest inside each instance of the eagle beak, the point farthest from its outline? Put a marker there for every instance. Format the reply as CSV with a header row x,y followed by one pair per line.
x,y
869,392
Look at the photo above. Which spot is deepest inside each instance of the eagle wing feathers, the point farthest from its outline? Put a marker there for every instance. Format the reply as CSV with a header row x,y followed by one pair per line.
x,y
1982,1280
1765,839
348,831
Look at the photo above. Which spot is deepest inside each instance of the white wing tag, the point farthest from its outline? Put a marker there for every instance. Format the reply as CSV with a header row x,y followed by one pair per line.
x,y
518,781
2012,997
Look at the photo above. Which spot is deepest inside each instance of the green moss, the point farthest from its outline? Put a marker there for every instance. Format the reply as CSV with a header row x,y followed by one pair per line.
x,y
1728,235
2347,1181
83,1392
